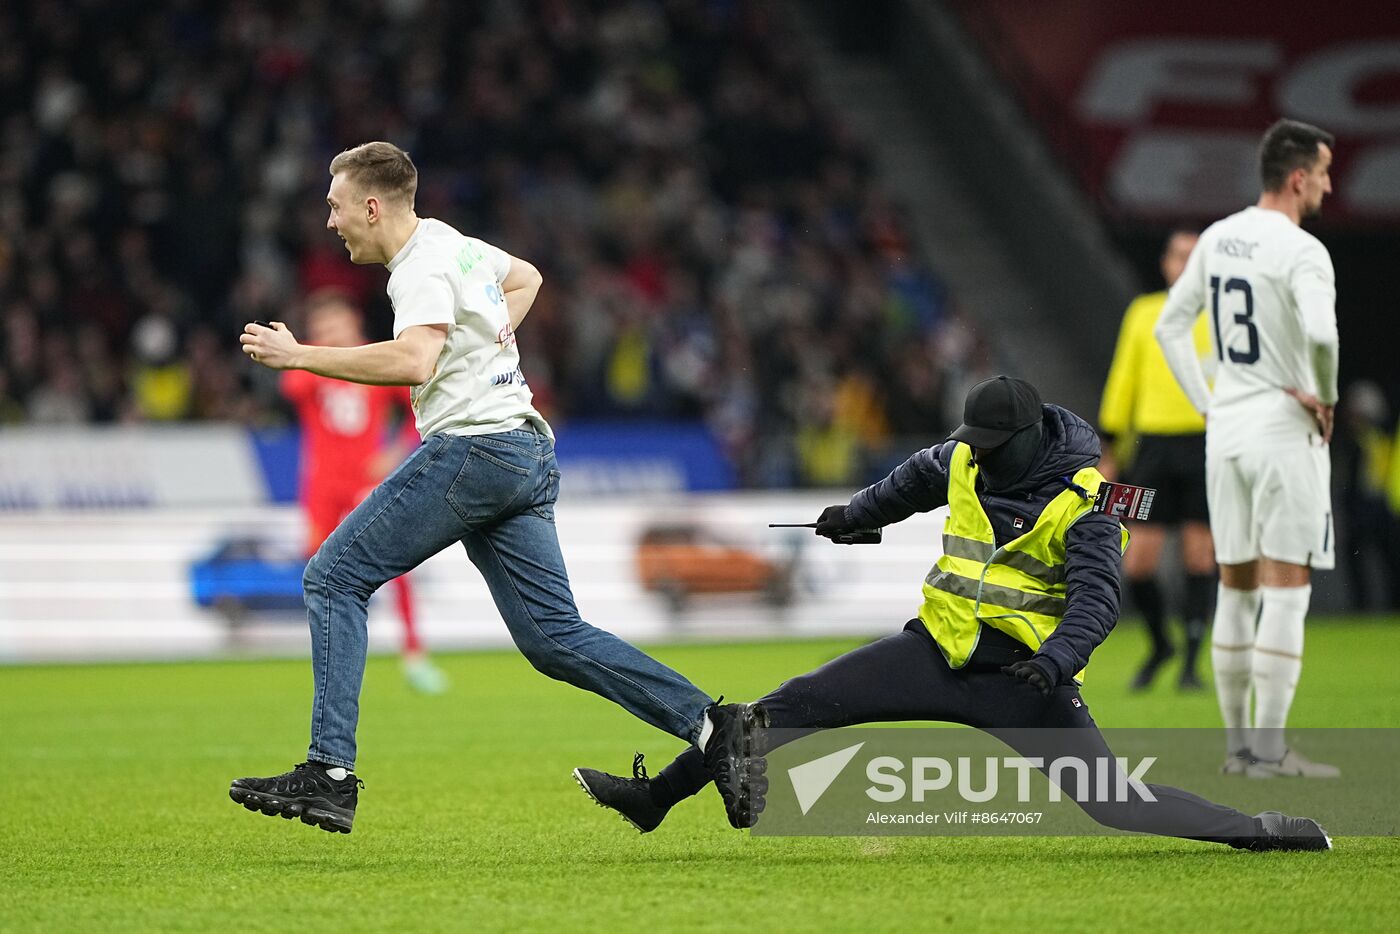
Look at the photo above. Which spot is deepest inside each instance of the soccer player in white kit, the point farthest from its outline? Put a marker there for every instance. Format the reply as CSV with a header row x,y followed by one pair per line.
x,y
1270,292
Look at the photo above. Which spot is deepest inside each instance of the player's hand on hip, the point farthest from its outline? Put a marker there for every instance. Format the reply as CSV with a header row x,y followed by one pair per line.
x,y
1327,420
272,345
1324,415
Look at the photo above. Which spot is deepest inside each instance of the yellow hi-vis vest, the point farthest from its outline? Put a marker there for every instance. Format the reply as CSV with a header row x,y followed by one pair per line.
x,y
1018,588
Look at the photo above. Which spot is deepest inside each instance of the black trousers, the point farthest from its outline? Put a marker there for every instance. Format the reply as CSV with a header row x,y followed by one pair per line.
x,y
905,677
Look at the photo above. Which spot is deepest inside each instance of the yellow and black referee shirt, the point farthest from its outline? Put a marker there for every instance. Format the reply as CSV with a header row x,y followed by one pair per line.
x,y
1141,396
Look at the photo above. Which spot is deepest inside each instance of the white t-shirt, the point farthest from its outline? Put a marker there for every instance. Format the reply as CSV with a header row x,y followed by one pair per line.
x,y
1270,292
443,277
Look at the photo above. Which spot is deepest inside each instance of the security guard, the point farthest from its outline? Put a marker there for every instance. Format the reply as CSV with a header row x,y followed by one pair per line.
x,y
1160,437
1026,588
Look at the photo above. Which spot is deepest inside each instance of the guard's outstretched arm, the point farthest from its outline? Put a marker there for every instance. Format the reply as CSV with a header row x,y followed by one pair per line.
x,y
920,484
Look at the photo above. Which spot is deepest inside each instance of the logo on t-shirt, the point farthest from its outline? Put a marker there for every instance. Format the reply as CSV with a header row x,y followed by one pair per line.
x,y
505,337
468,256
506,379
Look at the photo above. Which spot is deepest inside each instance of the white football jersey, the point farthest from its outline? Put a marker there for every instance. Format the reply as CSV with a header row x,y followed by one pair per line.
x,y
1270,292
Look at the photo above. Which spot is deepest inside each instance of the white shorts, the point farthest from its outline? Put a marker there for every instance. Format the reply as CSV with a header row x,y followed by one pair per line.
x,y
1273,504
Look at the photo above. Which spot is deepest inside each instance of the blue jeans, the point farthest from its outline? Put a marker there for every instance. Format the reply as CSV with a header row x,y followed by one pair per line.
x,y
495,494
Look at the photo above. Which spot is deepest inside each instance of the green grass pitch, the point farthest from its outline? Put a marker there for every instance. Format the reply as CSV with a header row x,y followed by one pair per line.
x,y
114,813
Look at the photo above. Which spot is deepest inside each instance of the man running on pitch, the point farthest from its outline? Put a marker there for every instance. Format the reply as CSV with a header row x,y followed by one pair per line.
x,y
484,476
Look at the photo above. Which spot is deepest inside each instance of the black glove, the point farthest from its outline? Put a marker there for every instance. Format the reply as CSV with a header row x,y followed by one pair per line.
x,y
834,520
1036,671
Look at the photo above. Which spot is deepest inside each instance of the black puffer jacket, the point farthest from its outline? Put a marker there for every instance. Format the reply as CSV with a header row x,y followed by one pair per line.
x,y
1092,550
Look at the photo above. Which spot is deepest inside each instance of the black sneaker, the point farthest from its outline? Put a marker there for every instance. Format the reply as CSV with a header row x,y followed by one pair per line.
x,y
306,792
1189,681
630,797
737,769
1281,832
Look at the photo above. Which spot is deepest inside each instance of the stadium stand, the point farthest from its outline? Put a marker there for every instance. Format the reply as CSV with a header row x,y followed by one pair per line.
x,y
714,244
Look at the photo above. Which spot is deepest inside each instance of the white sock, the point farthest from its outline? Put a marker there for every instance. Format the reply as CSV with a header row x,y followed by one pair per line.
x,y
1278,658
1231,647
338,773
707,727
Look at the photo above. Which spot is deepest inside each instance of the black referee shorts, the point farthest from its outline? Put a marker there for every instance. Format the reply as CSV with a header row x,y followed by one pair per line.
x,y
1174,466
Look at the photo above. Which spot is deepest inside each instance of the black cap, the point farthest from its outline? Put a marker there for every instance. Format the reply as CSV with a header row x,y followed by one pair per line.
x,y
995,410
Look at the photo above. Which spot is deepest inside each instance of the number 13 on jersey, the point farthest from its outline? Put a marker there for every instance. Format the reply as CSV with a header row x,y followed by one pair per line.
x,y
1245,317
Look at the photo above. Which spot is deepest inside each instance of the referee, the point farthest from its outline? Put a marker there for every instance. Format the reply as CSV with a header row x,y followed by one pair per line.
x,y
1160,438
1025,589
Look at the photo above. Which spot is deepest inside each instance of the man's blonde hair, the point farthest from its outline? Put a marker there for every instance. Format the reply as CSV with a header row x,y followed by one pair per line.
x,y
381,169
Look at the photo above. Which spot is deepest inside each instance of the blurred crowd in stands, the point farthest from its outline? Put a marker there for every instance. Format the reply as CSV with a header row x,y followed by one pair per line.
x,y
1366,461
714,244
